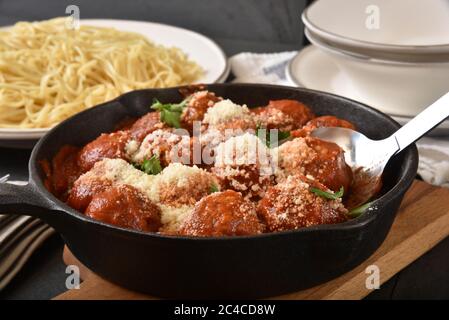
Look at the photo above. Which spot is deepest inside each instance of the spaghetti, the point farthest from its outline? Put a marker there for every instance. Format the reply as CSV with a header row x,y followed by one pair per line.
x,y
49,72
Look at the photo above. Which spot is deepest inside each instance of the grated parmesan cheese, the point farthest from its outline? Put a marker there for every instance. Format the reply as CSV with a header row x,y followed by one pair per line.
x,y
121,172
293,156
132,146
172,218
187,184
155,143
179,175
246,149
223,111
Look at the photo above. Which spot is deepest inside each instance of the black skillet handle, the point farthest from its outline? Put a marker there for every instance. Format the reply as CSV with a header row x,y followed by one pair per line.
x,y
24,200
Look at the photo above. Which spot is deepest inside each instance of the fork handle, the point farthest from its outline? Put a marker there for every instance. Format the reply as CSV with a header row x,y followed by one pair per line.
x,y
422,123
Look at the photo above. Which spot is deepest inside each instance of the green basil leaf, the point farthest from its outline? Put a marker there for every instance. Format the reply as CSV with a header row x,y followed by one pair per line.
x,y
151,166
328,195
282,135
213,188
170,112
354,213
173,119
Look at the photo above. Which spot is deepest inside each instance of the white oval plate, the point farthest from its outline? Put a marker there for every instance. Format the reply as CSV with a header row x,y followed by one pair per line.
x,y
312,69
199,48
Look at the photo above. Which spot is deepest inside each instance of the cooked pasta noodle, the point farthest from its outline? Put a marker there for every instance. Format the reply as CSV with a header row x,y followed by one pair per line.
x,y
49,72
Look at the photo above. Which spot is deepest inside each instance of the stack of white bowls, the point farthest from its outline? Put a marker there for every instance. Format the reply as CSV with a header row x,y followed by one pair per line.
x,y
392,54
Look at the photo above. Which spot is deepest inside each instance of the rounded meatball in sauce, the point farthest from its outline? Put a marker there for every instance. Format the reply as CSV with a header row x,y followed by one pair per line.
x,y
292,205
107,145
319,122
323,160
180,185
145,125
227,119
84,189
168,146
197,107
244,164
236,126
126,207
245,179
64,171
212,136
222,214
284,115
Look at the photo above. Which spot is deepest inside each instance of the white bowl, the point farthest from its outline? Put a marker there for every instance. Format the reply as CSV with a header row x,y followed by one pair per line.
x,y
405,26
314,69
410,86
368,53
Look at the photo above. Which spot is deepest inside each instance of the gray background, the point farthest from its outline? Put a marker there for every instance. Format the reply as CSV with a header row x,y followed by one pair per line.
x,y
237,25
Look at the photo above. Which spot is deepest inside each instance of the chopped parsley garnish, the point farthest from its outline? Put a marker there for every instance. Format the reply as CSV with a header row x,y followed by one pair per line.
x,y
354,213
283,135
328,195
170,112
213,188
265,135
151,166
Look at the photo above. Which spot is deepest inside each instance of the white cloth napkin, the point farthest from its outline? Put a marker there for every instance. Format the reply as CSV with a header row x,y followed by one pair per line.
x,y
261,67
434,160
270,68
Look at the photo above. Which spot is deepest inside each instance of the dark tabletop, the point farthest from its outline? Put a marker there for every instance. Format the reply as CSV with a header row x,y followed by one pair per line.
x,y
240,25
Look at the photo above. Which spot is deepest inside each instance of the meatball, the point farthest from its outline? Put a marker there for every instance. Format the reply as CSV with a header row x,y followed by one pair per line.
x,y
222,214
145,125
330,167
64,171
197,106
84,189
216,134
180,185
226,119
244,164
107,173
107,145
221,122
284,115
167,145
237,126
324,121
323,160
224,111
292,205
126,207
257,110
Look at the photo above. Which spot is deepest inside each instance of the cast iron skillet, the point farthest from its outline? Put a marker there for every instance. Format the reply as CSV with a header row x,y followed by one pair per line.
x,y
239,267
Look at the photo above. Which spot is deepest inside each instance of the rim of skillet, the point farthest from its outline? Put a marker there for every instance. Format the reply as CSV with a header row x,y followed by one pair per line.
x,y
405,179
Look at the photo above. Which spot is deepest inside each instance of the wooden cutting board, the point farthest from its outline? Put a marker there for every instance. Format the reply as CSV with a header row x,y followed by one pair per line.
x,y
422,222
